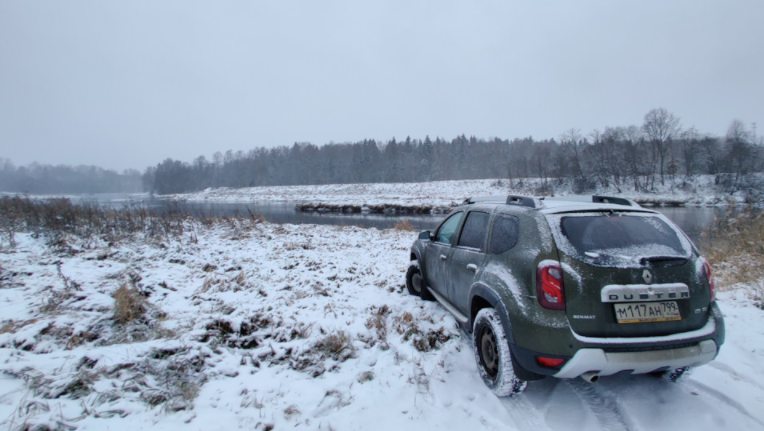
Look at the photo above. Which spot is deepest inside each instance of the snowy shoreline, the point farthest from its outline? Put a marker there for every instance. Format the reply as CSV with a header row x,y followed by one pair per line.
x,y
439,196
264,326
700,191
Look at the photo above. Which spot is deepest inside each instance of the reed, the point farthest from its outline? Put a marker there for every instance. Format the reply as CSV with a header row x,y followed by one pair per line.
x,y
58,219
734,246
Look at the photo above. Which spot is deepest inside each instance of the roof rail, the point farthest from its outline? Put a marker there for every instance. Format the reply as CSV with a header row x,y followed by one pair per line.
x,y
523,201
610,200
531,202
476,199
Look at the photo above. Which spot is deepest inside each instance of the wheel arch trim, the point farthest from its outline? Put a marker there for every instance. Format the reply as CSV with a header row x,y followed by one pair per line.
x,y
480,291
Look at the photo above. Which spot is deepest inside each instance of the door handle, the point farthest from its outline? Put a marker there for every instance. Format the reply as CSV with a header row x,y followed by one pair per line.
x,y
472,266
443,257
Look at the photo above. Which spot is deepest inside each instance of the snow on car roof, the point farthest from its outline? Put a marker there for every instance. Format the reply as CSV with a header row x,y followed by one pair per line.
x,y
584,203
557,204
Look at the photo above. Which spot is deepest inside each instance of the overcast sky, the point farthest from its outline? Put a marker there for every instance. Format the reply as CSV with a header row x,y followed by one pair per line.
x,y
126,84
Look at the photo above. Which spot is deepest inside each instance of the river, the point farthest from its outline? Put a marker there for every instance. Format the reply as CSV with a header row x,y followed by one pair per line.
x,y
692,220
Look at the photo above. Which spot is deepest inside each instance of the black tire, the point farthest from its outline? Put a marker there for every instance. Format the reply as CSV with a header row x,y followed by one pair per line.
x,y
415,282
494,359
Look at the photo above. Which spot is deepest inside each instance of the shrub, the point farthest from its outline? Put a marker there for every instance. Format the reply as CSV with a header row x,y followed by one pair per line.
x,y
59,219
404,224
129,304
734,246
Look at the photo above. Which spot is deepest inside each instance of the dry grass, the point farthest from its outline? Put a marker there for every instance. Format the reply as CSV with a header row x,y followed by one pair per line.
x,y
366,376
291,411
12,326
423,340
292,245
404,224
80,338
378,321
338,346
256,216
57,297
60,221
734,246
129,304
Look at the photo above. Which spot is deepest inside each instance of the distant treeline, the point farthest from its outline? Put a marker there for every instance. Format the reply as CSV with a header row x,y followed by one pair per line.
x,y
627,158
62,179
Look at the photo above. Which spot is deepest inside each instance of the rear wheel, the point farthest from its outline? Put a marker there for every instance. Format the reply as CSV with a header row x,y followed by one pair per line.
x,y
494,359
415,282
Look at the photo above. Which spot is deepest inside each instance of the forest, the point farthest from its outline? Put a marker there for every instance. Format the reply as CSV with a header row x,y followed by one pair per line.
x,y
627,158
62,179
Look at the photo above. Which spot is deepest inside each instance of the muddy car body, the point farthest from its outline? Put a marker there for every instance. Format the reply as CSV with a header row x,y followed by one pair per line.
x,y
569,287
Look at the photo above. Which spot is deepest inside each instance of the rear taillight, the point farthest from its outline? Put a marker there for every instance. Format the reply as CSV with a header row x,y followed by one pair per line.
x,y
710,278
549,362
549,287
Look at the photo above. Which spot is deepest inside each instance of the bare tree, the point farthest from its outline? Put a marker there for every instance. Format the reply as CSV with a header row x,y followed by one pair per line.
x,y
691,153
660,128
571,141
741,152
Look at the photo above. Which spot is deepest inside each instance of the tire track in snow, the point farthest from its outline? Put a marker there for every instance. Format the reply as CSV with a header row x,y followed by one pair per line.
x,y
721,397
524,413
606,411
733,374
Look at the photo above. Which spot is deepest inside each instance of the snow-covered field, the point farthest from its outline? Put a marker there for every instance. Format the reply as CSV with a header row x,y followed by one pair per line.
x,y
700,191
263,326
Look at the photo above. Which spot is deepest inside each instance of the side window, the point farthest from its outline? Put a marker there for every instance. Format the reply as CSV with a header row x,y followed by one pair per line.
x,y
474,230
448,228
505,232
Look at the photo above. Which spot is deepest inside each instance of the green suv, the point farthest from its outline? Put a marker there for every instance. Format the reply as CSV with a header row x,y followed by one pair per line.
x,y
568,287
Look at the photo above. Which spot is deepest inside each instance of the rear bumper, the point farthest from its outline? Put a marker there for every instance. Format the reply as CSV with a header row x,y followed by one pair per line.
x,y
612,355
605,364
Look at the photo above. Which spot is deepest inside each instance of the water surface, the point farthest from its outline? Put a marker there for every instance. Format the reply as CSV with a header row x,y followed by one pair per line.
x,y
692,220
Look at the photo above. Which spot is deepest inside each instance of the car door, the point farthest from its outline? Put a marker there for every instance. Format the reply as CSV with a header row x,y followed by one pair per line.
x,y
466,258
438,252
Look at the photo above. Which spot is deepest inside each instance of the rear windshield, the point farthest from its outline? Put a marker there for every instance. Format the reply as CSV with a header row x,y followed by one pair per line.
x,y
619,239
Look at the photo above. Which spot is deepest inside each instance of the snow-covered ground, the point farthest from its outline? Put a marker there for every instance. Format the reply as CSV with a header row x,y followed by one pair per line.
x,y
263,326
700,191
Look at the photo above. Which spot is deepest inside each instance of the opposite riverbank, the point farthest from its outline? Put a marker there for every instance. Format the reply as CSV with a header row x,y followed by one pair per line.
x,y
439,196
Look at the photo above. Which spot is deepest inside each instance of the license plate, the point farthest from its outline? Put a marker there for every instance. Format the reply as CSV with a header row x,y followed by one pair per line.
x,y
639,312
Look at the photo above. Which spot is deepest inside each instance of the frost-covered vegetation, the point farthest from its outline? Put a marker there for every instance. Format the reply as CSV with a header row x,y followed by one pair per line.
x,y
155,313
735,248
124,320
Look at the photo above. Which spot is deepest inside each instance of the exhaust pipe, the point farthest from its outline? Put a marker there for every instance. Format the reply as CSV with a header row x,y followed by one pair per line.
x,y
590,376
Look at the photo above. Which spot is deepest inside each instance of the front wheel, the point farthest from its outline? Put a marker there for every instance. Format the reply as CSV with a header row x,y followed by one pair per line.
x,y
415,282
494,359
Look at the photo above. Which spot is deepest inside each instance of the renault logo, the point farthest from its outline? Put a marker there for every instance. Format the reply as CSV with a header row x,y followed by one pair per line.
x,y
647,276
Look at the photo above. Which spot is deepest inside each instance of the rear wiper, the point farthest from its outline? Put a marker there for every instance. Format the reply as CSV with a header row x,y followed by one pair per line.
x,y
654,259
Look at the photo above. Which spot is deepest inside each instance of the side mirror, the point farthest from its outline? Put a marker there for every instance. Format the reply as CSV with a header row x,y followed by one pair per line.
x,y
425,235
